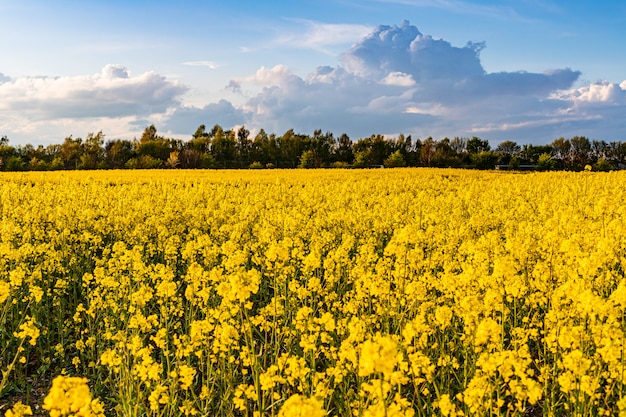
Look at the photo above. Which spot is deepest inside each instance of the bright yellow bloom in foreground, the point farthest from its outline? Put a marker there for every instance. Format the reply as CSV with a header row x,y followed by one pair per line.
x,y
19,410
362,292
301,406
70,397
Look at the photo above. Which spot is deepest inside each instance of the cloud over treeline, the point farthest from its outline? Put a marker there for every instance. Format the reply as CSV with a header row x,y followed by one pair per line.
x,y
113,92
397,79
394,80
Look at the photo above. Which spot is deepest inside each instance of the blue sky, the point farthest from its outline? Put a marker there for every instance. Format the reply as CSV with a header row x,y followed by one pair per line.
x,y
523,70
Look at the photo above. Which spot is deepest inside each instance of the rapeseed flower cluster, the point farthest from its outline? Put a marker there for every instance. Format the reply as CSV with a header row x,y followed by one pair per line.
x,y
71,397
411,292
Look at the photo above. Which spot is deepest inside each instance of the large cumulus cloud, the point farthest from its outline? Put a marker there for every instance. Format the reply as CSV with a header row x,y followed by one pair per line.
x,y
397,79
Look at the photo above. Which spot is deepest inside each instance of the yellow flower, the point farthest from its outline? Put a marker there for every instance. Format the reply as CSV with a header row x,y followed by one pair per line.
x,y
300,406
19,410
378,355
70,396
28,329
185,376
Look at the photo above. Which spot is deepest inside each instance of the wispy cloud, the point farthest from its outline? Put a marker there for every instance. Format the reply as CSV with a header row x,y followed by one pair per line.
x,y
320,36
464,7
516,126
208,64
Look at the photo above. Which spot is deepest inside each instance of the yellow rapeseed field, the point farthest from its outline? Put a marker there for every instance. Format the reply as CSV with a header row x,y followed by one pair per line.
x,y
410,292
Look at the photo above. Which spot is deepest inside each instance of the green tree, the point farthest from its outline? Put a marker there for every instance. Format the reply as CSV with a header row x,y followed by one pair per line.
x,y
243,147
484,160
92,155
581,149
530,153
71,151
545,162
458,145
154,146
342,151
602,165
561,151
15,163
223,146
395,160
427,151
117,152
444,154
477,145
360,160
291,146
6,151
507,150
307,159
200,140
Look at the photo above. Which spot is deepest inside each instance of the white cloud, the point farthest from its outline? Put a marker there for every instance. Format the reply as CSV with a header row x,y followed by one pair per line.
x,y
208,64
111,93
394,80
279,74
601,93
319,36
399,79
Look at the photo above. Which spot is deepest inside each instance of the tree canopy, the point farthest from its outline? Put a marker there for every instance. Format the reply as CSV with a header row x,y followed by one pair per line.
x,y
236,148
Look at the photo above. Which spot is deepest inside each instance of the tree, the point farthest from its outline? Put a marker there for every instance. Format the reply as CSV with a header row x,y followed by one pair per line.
x,y
92,151
307,159
599,149
561,150
342,151
360,160
395,160
507,150
71,151
117,152
545,162
530,153
444,155
154,146
322,145
458,145
508,147
477,145
15,163
223,146
149,134
484,159
200,140
602,165
291,147
173,161
581,148
243,147
427,151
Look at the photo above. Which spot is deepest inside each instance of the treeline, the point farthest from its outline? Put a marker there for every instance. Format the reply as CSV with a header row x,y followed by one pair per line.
x,y
219,148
